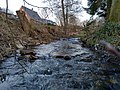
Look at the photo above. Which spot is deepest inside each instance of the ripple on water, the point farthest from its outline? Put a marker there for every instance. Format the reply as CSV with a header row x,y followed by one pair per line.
x,y
83,71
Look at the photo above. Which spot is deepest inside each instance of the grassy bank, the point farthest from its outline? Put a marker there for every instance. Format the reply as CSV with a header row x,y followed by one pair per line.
x,y
109,32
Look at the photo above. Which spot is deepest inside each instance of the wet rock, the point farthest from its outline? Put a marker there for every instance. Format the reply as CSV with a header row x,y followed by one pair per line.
x,y
31,57
77,55
86,60
45,72
59,56
2,77
67,57
48,72
27,52
28,57
63,57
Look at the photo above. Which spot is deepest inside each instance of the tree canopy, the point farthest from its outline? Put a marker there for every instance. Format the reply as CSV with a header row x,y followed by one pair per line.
x,y
64,8
98,7
110,9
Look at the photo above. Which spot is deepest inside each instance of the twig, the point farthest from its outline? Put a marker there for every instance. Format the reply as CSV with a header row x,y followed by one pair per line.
x,y
110,48
15,53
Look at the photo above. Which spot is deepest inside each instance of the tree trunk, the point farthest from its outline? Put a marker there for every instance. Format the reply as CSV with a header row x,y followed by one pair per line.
x,y
115,11
64,16
63,11
66,21
109,4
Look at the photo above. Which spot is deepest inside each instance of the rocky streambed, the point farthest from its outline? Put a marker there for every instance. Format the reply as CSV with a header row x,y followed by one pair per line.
x,y
61,65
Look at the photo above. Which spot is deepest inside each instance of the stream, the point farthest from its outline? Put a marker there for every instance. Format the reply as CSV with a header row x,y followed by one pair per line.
x,y
62,65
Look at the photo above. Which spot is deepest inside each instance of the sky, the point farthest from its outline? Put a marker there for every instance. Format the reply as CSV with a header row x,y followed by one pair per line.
x,y
15,5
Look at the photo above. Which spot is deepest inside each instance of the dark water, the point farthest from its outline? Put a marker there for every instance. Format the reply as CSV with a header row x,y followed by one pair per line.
x,y
62,65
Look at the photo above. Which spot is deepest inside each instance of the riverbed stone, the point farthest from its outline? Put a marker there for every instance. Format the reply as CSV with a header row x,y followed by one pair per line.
x,y
59,56
27,52
67,57
63,57
45,72
27,55
86,60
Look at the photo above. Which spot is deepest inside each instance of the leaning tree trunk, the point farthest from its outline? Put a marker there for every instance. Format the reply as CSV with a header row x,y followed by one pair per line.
x,y
115,11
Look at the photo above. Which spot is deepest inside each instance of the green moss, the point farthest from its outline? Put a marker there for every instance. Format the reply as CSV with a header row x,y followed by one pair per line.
x,y
115,11
110,32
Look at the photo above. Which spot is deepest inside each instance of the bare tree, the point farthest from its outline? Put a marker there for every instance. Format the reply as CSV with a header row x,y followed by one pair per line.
x,y
59,18
63,12
66,7
72,20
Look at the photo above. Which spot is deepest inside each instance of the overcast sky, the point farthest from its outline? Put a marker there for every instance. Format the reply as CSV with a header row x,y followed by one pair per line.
x,y
16,4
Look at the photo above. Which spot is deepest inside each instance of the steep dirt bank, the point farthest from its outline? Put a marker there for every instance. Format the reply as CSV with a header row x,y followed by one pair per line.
x,y
14,36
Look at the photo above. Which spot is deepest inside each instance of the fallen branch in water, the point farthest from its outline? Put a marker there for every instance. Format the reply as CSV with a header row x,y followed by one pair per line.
x,y
110,48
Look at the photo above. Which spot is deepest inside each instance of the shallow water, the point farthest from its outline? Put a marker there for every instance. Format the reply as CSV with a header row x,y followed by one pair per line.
x,y
82,70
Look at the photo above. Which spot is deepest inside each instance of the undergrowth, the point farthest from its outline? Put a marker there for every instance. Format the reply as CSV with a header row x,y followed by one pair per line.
x,y
109,32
